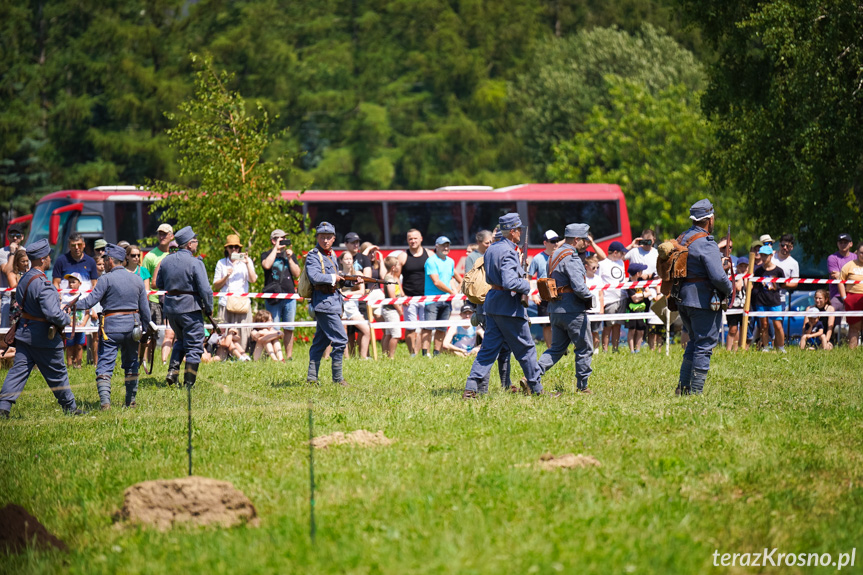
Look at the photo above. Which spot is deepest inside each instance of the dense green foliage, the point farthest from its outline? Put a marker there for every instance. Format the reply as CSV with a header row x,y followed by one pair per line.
x,y
786,98
768,457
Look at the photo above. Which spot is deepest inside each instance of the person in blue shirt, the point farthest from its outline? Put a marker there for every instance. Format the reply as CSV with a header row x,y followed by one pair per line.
x,y
539,267
705,277
75,261
439,270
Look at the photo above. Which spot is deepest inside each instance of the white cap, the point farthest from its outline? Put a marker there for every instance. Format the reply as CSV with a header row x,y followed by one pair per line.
x,y
551,235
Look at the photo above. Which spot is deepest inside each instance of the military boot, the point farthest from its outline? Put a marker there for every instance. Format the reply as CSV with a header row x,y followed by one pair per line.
x,y
131,389
173,373
698,378
685,382
191,374
103,386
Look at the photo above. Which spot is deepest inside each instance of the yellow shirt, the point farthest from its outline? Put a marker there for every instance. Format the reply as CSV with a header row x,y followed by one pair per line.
x,y
854,272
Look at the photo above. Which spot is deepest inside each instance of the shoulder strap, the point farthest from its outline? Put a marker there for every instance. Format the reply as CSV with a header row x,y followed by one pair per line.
x,y
24,297
556,261
692,238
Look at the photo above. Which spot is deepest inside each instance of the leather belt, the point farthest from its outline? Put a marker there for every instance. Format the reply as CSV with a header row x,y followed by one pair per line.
x,y
696,280
498,288
325,288
565,289
26,315
181,292
119,312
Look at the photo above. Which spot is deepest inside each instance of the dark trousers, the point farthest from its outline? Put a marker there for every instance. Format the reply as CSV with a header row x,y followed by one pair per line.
x,y
51,366
188,337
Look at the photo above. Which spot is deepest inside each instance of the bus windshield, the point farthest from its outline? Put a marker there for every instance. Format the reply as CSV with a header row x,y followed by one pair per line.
x,y
40,226
603,217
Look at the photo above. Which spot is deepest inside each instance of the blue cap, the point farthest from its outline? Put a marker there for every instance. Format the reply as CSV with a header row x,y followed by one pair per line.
x,y
115,252
325,228
510,221
700,210
616,247
39,249
766,250
576,230
742,260
442,240
183,237
637,267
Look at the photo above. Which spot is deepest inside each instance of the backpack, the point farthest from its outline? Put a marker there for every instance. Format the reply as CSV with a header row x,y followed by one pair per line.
x,y
305,288
474,286
547,287
671,266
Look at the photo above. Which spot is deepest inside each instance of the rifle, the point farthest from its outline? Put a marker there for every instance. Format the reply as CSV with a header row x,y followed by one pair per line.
x,y
53,329
147,348
525,299
369,280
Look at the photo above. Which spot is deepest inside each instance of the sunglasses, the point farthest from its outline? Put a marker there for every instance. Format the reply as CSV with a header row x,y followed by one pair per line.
x,y
786,245
134,255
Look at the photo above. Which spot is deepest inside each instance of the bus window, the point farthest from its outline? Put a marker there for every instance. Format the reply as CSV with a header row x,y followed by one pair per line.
x,y
152,221
484,216
365,219
603,217
431,219
89,224
126,220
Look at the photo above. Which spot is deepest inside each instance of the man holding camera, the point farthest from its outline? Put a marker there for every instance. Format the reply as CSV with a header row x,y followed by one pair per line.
x,y
280,269
641,251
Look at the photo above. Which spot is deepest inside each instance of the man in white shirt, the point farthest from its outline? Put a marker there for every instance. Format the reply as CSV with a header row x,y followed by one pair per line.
x,y
641,251
782,258
611,271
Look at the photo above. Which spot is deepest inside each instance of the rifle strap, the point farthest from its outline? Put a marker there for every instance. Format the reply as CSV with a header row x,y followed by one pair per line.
x,y
552,265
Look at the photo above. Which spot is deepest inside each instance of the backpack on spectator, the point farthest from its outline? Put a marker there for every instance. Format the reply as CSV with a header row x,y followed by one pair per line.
x,y
547,287
671,266
305,288
474,286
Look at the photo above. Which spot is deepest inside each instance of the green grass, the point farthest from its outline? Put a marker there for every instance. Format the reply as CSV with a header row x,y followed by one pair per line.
x,y
770,456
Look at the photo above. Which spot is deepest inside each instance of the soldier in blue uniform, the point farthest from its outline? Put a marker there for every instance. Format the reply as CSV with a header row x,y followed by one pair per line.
x,y
327,302
569,322
41,311
705,277
184,277
126,313
505,316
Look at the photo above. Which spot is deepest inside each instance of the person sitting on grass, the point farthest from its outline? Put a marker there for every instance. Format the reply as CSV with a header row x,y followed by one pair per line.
x,y
813,332
822,303
229,345
266,338
391,312
75,345
462,341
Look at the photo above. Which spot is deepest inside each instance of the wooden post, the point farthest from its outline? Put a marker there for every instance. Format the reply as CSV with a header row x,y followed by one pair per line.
x,y
744,329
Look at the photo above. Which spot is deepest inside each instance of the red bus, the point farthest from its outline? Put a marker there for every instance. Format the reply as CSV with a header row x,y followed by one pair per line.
x,y
381,217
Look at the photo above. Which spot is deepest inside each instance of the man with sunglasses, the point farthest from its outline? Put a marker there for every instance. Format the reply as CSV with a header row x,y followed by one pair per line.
x,y
783,260
7,258
641,251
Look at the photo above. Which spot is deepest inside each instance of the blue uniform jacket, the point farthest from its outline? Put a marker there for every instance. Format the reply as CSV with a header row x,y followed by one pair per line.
x,y
324,302
184,272
569,272
502,268
42,301
704,261
119,290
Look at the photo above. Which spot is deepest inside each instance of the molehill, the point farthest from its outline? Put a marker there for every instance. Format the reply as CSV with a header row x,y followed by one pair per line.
x,y
18,529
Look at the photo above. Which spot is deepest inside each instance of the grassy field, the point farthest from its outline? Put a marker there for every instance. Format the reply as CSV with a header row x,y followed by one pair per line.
x,y
770,456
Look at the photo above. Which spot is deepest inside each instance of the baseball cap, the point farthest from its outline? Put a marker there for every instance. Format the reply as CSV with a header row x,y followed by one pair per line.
x,y
766,250
743,260
74,275
766,239
637,268
100,245
442,240
844,238
352,237
277,234
616,247
551,236
165,228
15,230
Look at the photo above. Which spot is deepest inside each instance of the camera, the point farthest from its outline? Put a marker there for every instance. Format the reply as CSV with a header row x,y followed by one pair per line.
x,y
285,242
645,242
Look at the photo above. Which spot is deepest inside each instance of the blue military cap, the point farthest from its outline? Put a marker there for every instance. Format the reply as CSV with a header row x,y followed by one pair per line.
x,y
637,267
115,252
39,249
576,230
700,210
497,235
510,221
183,236
325,228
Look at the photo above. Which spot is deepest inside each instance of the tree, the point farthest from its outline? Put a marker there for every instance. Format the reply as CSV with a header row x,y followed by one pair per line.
x,y
786,102
221,146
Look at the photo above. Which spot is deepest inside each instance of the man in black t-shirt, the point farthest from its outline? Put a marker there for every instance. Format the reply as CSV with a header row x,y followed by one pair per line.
x,y
766,297
280,269
362,264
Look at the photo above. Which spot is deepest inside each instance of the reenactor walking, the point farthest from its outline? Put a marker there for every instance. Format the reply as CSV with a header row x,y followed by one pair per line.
x,y
184,278
41,317
706,284
569,321
327,304
125,314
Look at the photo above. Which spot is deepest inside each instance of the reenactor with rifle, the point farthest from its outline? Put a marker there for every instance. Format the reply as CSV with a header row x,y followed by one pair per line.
x,y
125,315
188,299
40,314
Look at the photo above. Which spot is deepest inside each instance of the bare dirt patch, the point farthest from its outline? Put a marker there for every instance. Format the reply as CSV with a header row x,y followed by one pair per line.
x,y
360,437
194,501
567,461
18,529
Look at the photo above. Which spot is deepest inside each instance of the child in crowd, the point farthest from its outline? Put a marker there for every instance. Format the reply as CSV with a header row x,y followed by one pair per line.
x,y
266,338
229,345
391,312
75,345
352,309
637,304
766,297
735,320
813,332
462,341
593,281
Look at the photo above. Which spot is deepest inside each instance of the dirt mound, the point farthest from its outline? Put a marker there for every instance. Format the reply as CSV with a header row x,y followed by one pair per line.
x,y
18,529
360,437
189,500
568,461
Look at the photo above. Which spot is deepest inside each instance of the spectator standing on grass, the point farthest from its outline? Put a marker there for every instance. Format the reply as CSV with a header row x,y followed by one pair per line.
x,y
735,320
851,294
641,251
391,312
783,259
593,282
133,264
835,262
7,255
75,261
483,240
413,262
636,302
612,272
234,273
165,234
439,270
539,268
99,247
352,310
362,266
766,297
375,256
280,270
